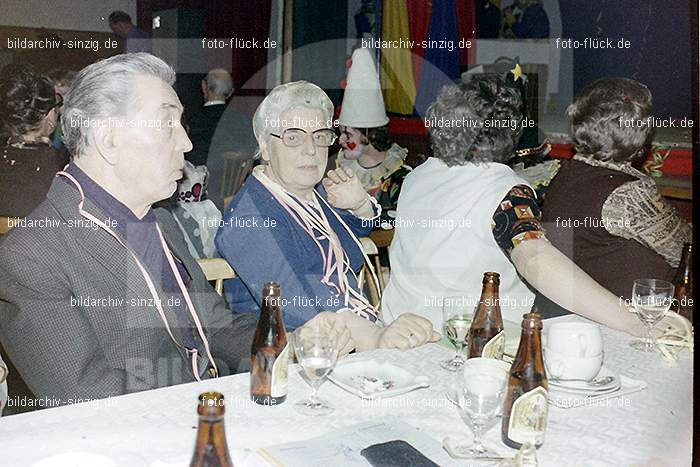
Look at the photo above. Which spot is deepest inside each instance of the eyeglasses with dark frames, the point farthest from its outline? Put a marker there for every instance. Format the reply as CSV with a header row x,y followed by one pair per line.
x,y
294,137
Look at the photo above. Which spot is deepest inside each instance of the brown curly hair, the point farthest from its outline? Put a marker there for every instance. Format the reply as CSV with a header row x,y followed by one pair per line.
x,y
379,137
26,97
599,116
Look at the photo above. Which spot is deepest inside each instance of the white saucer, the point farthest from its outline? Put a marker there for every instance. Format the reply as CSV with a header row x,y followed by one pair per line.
x,y
586,387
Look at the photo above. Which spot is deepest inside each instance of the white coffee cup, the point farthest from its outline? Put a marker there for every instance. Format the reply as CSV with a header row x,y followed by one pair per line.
x,y
575,339
565,367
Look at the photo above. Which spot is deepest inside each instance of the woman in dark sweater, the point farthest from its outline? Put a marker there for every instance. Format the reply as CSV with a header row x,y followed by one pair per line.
x,y
604,214
28,115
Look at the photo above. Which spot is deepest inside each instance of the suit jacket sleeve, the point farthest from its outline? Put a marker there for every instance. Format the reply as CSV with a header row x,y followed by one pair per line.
x,y
49,340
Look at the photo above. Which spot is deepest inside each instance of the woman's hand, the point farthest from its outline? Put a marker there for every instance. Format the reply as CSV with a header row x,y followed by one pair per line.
x,y
345,190
333,324
406,332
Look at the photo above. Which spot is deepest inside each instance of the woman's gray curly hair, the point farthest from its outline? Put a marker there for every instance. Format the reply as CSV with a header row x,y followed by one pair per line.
x,y
476,121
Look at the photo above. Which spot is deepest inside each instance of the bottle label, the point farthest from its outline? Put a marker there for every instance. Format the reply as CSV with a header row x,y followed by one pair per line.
x,y
528,417
278,385
495,346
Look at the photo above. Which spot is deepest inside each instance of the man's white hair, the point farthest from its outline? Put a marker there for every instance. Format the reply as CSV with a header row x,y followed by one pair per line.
x,y
219,82
285,97
105,90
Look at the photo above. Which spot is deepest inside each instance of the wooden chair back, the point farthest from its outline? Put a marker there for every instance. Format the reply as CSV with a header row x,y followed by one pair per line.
x,y
371,250
217,270
236,169
5,224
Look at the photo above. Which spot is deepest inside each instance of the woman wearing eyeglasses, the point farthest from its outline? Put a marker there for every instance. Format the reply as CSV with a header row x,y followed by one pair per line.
x,y
291,225
28,115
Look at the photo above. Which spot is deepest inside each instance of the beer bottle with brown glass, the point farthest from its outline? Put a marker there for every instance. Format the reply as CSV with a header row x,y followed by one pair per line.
x,y
525,406
211,449
683,282
269,352
486,337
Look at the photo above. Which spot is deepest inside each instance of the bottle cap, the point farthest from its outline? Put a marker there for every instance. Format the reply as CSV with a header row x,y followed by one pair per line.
x,y
211,403
493,277
532,320
271,288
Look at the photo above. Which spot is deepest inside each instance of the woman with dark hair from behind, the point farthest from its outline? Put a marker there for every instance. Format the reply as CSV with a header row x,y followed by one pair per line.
x,y
28,115
624,229
464,212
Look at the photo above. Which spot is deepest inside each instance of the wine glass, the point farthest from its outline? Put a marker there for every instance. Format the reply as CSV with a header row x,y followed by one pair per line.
x,y
651,298
317,353
479,398
456,321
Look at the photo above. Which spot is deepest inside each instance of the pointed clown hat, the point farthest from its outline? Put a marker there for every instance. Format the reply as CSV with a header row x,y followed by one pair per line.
x,y
363,104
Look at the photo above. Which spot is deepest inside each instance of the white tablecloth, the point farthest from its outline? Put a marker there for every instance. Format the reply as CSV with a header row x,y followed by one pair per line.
x,y
651,427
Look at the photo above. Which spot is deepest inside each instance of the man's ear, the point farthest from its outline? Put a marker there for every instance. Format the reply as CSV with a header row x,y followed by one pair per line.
x,y
205,89
104,141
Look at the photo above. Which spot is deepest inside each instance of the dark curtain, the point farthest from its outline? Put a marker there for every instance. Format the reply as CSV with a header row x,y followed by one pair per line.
x,y
659,54
319,42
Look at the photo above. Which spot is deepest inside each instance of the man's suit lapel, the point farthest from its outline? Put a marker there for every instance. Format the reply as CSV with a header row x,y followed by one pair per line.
x,y
96,242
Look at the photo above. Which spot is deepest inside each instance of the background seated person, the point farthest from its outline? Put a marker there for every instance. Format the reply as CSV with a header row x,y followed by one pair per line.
x,y
285,226
217,87
368,148
463,212
197,217
636,233
526,19
28,115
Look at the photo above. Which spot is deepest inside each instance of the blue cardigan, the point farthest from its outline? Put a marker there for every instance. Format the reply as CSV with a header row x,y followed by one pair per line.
x,y
263,243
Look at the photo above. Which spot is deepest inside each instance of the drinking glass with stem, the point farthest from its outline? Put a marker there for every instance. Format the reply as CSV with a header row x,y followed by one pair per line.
x,y
317,352
456,321
652,299
479,398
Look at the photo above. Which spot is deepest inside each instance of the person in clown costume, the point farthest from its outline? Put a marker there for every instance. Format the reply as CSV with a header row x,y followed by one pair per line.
x,y
367,147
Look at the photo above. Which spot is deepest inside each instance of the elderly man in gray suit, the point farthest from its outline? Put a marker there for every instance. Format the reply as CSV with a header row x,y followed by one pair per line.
x,y
100,296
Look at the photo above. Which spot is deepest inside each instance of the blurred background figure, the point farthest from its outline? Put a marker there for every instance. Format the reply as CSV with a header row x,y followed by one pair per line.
x,y
62,80
217,87
197,217
136,39
368,148
222,137
29,108
488,20
526,19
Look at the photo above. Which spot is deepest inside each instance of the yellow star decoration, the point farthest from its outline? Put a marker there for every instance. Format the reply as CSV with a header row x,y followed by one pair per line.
x,y
517,72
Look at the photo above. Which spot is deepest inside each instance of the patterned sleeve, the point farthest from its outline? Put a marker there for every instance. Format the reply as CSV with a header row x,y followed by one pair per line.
x,y
637,211
517,219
